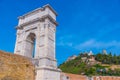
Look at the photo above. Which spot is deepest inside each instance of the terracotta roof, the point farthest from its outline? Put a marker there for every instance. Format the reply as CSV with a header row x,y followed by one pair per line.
x,y
106,78
83,77
75,76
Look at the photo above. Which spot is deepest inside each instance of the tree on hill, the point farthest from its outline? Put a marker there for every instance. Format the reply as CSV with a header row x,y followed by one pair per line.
x,y
78,66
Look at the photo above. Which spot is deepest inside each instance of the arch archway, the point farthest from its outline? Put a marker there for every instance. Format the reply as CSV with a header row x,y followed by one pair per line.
x,y
30,45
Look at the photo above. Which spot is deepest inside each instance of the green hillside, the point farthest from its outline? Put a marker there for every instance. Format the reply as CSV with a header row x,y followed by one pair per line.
x,y
100,64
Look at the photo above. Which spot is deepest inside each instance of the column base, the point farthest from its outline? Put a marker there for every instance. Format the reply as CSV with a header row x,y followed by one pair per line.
x,y
47,73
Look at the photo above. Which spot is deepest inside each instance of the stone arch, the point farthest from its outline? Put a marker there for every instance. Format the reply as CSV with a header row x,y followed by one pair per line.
x,y
29,30
30,45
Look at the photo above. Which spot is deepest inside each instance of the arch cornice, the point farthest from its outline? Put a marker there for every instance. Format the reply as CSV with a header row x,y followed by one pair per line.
x,y
37,10
42,19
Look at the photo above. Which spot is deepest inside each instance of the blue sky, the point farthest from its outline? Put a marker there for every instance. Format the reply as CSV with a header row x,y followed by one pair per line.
x,y
83,24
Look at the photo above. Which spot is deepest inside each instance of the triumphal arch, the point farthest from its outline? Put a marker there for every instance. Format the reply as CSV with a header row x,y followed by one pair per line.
x,y
36,40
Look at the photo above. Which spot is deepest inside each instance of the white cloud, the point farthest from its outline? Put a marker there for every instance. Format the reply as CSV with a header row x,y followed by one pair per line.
x,y
68,41
92,43
67,44
65,41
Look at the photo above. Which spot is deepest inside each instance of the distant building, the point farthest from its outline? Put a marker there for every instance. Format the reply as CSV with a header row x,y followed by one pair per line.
x,y
90,53
84,59
104,52
71,58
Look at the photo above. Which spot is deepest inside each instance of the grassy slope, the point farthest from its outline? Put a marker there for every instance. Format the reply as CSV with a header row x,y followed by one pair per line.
x,y
77,66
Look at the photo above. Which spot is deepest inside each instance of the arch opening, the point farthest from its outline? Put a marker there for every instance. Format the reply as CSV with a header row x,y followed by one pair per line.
x,y
30,45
